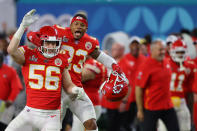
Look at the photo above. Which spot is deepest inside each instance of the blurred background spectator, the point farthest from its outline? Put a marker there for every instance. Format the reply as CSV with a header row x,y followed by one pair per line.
x,y
10,88
129,65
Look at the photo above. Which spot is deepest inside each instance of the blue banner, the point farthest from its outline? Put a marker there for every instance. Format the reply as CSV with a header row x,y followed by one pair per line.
x,y
157,20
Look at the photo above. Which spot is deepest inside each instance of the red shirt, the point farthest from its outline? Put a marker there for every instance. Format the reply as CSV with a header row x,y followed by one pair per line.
x,y
195,78
78,50
182,80
91,87
195,90
43,78
129,65
154,78
10,83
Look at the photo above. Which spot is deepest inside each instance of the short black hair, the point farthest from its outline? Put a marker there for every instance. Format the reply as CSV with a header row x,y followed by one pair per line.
x,y
186,31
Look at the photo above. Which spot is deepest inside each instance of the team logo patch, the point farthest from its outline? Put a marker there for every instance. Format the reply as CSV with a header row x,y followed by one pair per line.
x,y
58,62
88,45
79,18
65,39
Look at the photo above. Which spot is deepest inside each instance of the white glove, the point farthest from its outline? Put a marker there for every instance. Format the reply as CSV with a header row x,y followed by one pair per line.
x,y
28,19
79,92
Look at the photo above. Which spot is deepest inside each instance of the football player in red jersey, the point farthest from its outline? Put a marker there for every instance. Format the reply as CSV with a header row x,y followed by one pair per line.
x,y
79,44
182,79
44,71
93,75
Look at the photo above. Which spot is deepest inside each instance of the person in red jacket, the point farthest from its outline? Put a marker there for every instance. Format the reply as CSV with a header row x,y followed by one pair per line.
x,y
153,93
129,65
10,83
10,88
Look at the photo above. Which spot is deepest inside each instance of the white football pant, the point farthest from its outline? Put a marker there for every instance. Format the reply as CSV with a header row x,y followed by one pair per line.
x,y
44,120
78,126
83,109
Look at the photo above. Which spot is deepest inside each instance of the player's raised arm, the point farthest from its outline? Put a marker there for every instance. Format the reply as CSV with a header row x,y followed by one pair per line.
x,y
106,60
71,88
12,49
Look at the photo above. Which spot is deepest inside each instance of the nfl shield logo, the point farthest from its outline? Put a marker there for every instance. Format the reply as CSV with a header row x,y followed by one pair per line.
x,y
65,39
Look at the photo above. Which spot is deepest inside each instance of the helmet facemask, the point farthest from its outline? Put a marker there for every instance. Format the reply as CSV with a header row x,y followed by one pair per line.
x,y
178,52
50,52
115,88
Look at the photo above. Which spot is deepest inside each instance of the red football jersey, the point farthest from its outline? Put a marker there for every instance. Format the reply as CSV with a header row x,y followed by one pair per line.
x,y
78,50
91,87
10,83
129,65
154,78
43,78
182,80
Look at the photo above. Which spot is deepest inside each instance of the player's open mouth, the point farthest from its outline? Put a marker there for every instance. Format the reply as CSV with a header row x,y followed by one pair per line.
x,y
77,33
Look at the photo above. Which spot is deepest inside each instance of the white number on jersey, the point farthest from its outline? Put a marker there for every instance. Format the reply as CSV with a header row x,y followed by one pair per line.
x,y
76,67
180,78
41,81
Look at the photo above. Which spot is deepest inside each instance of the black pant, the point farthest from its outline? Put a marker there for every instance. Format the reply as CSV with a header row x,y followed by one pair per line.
x,y
68,119
127,118
167,116
121,121
113,120
2,126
